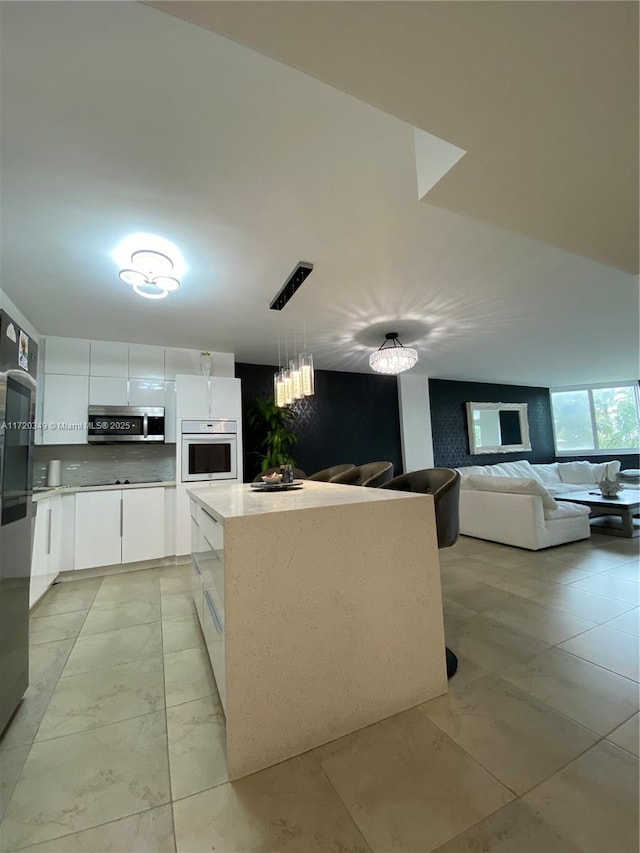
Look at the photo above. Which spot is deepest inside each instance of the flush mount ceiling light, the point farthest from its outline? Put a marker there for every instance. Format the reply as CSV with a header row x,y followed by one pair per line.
x,y
150,265
392,357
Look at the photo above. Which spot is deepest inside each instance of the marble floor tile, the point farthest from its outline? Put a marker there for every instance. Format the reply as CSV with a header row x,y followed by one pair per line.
x,y
588,605
49,629
519,739
289,808
122,615
173,585
179,604
627,735
181,632
133,578
606,776
115,594
11,764
587,562
468,670
613,587
196,735
188,676
608,648
111,648
553,572
146,832
629,571
26,720
526,586
46,662
99,697
474,594
492,644
596,698
407,785
67,597
515,828
629,622
87,779
547,624
599,554
506,558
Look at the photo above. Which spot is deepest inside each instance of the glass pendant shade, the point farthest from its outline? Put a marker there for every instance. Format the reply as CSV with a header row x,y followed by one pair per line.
x,y
306,369
288,387
278,390
296,380
392,357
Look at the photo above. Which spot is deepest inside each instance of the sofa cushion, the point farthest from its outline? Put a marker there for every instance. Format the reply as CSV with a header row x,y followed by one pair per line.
x,y
511,485
548,473
565,509
586,472
519,468
566,488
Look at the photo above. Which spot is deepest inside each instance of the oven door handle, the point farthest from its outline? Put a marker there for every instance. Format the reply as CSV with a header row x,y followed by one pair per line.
x,y
145,426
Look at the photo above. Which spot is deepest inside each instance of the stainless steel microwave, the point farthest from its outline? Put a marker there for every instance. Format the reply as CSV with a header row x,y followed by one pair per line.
x,y
120,424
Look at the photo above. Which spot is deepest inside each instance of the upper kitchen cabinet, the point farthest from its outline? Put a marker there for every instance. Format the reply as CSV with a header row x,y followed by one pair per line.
x,y
109,359
147,392
146,362
204,398
66,355
108,391
186,361
64,409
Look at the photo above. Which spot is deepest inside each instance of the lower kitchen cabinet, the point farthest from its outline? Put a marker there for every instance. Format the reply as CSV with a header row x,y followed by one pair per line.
x,y
47,546
119,526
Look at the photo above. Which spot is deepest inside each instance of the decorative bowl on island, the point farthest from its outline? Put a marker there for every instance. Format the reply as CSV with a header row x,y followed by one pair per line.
x,y
610,488
270,479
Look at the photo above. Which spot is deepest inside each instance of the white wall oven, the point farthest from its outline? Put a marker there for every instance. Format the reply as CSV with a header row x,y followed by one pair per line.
x,y
209,450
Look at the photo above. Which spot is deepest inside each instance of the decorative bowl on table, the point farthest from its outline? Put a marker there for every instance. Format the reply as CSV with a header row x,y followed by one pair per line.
x,y
270,479
610,488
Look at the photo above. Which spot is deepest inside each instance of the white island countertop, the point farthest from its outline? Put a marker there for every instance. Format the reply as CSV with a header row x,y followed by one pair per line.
x,y
237,500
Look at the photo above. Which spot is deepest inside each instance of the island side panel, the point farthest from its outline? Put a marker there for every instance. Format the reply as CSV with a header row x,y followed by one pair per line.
x,y
333,622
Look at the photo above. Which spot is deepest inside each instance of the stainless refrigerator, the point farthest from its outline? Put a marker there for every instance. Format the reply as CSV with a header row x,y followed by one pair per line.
x,y
18,359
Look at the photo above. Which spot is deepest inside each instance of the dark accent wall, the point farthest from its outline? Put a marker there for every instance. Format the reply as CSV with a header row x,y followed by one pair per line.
x,y
353,417
448,401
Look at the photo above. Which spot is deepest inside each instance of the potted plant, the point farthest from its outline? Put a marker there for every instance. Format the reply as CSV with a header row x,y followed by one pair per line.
x,y
273,424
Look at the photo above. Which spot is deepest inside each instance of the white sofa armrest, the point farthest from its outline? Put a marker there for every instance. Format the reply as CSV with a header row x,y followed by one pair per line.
x,y
502,517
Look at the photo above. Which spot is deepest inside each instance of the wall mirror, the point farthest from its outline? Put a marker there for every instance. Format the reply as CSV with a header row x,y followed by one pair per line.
x,y
497,427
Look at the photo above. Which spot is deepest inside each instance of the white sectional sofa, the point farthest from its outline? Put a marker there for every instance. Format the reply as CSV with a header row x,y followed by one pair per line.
x,y
513,502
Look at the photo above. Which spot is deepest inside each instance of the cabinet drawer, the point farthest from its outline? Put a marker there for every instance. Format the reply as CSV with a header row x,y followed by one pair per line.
x,y
214,638
212,530
196,589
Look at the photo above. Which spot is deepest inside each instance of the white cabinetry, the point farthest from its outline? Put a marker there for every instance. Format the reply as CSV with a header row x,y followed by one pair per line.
x,y
146,362
109,359
184,361
98,529
170,412
47,547
108,391
142,524
66,355
119,526
146,392
66,403
204,397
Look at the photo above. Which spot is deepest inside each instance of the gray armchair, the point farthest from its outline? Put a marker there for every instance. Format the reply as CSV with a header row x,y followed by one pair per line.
x,y
327,473
444,485
373,474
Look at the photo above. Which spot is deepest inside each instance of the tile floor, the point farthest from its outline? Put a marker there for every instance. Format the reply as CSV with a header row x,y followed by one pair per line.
x,y
118,744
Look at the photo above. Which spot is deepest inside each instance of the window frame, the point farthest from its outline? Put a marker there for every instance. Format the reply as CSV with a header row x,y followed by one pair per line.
x,y
595,451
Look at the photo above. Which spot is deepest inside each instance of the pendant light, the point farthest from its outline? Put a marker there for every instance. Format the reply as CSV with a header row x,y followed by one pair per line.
x,y
392,357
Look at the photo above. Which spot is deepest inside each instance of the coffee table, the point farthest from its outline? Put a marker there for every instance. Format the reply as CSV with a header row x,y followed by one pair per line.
x,y
604,511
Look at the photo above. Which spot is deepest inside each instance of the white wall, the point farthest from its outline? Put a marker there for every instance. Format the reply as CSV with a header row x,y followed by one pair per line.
x,y
12,309
415,422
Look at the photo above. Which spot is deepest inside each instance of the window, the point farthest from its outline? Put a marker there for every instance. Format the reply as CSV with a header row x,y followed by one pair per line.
x,y
596,420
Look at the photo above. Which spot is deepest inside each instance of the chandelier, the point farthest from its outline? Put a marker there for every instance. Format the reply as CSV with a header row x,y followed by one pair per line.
x,y
392,357
295,382
151,265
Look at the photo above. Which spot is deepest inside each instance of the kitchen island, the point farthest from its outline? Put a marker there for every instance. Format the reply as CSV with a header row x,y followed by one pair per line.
x,y
321,609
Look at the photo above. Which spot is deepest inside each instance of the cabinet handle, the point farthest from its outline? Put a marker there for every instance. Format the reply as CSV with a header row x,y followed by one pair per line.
x,y
49,532
145,426
121,516
208,543
210,516
195,565
214,613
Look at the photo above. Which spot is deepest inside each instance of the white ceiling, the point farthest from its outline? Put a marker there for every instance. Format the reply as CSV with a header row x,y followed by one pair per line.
x,y
119,118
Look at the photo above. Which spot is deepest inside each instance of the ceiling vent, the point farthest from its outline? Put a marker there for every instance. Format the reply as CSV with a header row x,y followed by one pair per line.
x,y
291,285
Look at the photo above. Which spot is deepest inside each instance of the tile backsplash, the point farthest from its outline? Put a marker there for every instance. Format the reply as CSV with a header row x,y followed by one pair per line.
x,y
97,465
